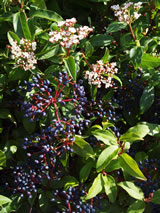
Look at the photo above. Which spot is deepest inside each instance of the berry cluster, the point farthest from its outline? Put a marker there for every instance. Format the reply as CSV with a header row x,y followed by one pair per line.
x,y
67,35
150,169
23,53
128,12
72,200
101,74
26,179
43,96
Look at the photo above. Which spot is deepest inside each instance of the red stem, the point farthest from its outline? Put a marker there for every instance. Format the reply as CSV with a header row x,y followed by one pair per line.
x,y
55,106
132,32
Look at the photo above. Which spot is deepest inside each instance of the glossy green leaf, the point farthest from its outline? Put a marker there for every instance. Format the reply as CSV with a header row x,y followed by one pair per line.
x,y
39,3
96,187
2,159
85,171
17,25
138,132
130,166
110,188
106,157
118,79
105,136
149,61
69,181
101,40
156,197
116,26
89,49
136,55
82,148
24,25
4,200
46,14
105,58
130,137
48,53
70,66
133,190
114,165
147,98
12,37
137,207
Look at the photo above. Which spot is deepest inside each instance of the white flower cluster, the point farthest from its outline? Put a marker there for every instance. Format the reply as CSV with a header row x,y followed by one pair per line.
x,y
68,35
101,73
128,12
23,53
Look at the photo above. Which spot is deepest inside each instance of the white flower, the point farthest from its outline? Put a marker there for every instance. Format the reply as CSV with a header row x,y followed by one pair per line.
x,y
23,54
34,45
72,29
136,15
97,75
61,23
115,7
68,35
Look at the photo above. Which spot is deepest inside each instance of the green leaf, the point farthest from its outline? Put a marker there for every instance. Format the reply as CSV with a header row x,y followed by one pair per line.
x,y
130,166
69,181
130,137
85,171
2,158
4,113
138,132
149,61
4,200
116,26
96,187
105,58
147,98
29,126
156,197
136,55
105,136
12,37
106,157
46,14
18,74
82,148
48,53
118,79
39,3
13,149
17,24
114,165
93,91
133,190
70,66
157,4
89,49
101,40
138,206
110,188
24,25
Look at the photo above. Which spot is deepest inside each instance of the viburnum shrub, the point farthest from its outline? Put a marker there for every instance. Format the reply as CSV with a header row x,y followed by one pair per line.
x,y
79,106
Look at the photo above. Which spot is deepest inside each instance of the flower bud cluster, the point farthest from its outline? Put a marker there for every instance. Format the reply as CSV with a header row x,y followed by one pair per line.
x,y
128,12
101,73
68,35
23,53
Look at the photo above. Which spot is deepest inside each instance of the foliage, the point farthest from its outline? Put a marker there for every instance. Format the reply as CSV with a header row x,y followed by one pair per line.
x,y
79,106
